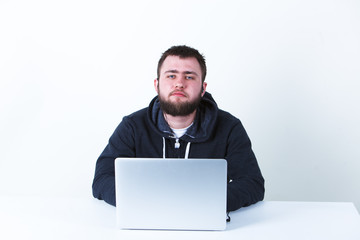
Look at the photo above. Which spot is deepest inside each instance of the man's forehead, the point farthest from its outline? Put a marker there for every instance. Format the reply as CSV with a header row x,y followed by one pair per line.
x,y
176,63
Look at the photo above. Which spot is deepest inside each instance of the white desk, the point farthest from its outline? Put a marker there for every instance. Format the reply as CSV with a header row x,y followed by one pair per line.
x,y
87,218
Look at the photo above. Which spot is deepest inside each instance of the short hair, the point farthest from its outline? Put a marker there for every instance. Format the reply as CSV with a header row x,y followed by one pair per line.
x,y
183,51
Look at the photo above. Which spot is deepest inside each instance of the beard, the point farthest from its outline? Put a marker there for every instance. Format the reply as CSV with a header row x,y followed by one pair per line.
x,y
179,109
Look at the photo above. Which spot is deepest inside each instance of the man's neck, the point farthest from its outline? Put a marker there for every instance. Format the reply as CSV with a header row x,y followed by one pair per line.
x,y
180,122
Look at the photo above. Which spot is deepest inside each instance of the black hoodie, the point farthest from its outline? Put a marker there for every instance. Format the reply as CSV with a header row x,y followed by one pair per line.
x,y
214,134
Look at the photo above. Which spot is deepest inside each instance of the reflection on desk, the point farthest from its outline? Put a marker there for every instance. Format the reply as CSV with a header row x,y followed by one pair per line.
x,y
88,218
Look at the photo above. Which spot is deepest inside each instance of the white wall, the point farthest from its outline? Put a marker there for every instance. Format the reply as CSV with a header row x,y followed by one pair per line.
x,y
70,70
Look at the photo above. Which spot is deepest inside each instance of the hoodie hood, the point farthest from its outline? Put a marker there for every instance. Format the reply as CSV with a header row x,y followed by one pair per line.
x,y
202,127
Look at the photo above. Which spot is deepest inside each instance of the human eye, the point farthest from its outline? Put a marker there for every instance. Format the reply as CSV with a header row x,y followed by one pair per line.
x,y
171,76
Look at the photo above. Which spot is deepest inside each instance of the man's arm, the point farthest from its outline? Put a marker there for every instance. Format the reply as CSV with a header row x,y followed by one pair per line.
x,y
120,145
246,184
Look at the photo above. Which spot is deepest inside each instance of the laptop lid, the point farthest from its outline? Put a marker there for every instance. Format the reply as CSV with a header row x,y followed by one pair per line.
x,y
177,194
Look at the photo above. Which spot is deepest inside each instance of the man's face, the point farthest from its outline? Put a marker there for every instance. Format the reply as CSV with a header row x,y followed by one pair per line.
x,y
179,86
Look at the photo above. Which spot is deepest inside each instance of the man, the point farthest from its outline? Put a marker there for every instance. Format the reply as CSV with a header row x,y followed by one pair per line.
x,y
183,121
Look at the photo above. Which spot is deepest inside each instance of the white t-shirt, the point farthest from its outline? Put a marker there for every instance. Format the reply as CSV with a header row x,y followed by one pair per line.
x,y
180,132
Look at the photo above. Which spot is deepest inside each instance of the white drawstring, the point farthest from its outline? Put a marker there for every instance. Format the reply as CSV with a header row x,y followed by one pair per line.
x,y
186,151
163,148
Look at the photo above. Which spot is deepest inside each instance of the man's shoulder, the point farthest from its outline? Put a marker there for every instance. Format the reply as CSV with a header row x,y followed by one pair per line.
x,y
137,116
228,121
139,113
230,124
133,121
227,117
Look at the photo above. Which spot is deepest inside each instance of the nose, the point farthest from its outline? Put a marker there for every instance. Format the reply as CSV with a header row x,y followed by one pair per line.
x,y
180,82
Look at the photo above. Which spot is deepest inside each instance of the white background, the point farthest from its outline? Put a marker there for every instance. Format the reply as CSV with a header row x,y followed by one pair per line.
x,y
70,70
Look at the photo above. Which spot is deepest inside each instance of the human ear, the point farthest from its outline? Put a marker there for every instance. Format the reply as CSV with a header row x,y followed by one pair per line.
x,y
203,87
156,85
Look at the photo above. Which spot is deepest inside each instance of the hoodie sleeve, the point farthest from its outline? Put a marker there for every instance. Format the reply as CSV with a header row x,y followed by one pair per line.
x,y
121,144
246,183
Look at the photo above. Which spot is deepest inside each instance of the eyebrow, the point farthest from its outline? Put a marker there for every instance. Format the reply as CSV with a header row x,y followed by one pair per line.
x,y
186,72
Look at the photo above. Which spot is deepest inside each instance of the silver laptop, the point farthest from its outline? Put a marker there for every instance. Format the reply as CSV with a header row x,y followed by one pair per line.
x,y
172,194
